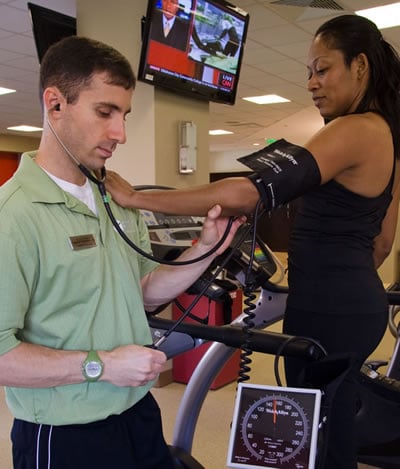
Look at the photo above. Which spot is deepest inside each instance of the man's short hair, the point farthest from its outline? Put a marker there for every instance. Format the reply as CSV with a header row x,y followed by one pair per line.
x,y
71,63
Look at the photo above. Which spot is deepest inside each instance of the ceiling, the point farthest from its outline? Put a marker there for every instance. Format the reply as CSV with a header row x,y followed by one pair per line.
x,y
274,63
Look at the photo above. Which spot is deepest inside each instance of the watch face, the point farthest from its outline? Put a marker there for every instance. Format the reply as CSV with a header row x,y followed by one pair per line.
x,y
93,369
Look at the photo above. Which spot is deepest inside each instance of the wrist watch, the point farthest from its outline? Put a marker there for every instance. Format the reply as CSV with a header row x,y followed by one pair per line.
x,y
92,367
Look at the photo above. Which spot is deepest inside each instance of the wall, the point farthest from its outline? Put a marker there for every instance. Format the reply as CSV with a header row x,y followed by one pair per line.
x,y
118,23
18,144
11,146
390,269
221,162
171,109
8,164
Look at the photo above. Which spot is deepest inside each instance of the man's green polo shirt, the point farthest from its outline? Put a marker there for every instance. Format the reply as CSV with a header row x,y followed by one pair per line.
x,y
68,281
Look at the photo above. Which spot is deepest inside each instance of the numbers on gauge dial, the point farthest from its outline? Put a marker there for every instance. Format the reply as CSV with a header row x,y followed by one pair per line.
x,y
275,428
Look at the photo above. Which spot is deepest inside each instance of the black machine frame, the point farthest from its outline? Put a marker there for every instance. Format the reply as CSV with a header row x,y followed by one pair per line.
x,y
251,264
379,394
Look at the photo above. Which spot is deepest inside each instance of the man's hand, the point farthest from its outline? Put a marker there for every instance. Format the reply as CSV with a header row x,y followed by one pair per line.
x,y
132,365
214,227
167,282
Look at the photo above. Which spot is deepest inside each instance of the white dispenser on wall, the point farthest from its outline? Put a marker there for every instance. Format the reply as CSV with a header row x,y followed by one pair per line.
x,y
187,147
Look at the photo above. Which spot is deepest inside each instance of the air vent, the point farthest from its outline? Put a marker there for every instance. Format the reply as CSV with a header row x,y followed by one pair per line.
x,y
324,4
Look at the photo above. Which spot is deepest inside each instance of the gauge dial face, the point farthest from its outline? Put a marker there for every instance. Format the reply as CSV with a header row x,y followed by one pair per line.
x,y
274,428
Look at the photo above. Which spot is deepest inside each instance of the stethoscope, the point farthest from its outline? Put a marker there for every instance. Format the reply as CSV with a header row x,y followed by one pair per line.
x,y
100,183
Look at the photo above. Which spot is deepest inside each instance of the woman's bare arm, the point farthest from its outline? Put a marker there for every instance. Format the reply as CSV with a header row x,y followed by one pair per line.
x,y
236,195
336,149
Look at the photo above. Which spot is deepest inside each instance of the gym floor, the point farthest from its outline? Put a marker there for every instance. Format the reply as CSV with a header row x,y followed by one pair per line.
x,y
212,433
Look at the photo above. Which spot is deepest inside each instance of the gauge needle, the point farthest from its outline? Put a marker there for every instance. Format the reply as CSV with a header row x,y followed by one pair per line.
x,y
274,411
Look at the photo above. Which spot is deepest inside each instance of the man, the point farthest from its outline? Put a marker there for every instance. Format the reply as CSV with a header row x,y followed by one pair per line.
x,y
73,329
233,41
168,28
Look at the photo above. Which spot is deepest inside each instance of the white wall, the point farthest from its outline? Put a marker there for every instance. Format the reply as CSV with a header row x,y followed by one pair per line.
x,y
221,161
118,23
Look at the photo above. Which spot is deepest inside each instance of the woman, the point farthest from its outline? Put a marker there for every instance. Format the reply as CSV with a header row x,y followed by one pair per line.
x,y
346,223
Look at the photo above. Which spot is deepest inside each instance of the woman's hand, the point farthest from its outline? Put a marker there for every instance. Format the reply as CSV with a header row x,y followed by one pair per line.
x,y
121,190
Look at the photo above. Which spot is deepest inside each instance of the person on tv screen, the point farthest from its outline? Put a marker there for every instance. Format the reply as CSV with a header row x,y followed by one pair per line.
x,y
347,176
168,27
229,32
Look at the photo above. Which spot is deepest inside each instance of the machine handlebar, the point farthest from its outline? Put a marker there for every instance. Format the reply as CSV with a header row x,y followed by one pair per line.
x,y
235,336
393,297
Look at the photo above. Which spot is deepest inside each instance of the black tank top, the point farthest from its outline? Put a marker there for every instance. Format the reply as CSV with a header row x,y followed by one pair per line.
x,y
331,268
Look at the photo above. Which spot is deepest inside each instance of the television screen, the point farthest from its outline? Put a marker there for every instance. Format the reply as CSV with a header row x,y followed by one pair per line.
x,y
49,27
194,47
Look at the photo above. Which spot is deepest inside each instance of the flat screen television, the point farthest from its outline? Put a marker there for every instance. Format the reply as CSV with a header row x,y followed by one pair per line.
x,y
49,27
201,54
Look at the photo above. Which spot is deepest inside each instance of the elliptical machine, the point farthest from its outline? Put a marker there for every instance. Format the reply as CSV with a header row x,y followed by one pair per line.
x,y
378,414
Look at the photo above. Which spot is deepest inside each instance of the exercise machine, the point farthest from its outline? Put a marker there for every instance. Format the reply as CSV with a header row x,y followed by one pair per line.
x,y
379,394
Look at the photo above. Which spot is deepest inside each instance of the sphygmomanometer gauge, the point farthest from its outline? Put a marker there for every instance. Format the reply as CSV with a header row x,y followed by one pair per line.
x,y
274,427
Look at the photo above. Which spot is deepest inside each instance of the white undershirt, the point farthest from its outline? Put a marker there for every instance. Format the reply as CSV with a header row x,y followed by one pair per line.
x,y
83,193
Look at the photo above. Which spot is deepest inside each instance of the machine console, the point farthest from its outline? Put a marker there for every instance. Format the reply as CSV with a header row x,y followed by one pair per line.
x,y
171,234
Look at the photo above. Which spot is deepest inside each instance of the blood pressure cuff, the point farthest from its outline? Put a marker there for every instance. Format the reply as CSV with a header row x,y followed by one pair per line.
x,y
282,172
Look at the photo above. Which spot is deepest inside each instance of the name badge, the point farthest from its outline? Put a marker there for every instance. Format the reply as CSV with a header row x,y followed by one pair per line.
x,y
82,242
